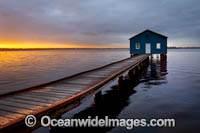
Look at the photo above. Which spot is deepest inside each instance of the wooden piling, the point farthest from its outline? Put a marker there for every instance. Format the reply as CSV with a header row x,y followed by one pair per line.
x,y
130,75
120,81
138,67
163,57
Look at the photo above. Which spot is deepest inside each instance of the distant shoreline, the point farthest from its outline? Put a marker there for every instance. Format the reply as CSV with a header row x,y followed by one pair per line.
x,y
183,47
13,49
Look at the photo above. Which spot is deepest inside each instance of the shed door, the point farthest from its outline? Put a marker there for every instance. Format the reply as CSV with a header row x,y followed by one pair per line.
x,y
148,48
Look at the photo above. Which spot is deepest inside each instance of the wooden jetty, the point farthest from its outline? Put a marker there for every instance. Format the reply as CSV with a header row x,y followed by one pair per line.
x,y
60,96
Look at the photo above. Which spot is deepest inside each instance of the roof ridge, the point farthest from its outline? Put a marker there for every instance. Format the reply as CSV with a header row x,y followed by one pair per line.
x,y
149,31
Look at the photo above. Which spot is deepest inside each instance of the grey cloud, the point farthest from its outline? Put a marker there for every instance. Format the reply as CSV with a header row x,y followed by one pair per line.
x,y
99,22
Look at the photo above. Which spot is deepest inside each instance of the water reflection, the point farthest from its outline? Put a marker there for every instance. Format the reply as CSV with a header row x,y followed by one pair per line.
x,y
156,73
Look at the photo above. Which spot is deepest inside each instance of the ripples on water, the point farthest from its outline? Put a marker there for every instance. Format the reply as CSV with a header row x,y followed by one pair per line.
x,y
165,90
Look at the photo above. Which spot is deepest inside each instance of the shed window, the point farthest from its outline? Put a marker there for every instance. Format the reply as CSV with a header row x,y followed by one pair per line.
x,y
158,45
137,45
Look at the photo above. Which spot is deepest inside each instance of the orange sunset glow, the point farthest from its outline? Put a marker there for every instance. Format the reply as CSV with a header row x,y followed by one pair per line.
x,y
49,45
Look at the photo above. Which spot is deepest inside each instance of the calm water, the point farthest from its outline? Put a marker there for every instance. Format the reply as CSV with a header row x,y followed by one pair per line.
x,y
23,69
165,90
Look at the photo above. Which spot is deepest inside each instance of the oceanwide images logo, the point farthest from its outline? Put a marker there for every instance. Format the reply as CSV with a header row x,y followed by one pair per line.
x,y
46,121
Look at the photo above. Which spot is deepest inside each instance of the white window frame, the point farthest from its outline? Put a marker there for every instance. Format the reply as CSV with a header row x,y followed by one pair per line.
x,y
137,45
158,45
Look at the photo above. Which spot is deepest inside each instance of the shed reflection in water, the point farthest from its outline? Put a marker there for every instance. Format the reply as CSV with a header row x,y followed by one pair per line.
x,y
113,100
156,74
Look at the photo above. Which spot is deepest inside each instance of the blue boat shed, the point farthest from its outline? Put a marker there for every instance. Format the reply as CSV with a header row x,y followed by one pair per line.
x,y
148,42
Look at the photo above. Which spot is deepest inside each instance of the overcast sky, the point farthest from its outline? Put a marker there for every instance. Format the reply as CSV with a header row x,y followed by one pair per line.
x,y
103,23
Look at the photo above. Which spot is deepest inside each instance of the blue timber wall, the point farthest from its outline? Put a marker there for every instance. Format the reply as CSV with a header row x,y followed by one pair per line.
x,y
148,37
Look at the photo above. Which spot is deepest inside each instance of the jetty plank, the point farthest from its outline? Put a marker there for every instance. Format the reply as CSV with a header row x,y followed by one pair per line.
x,y
16,109
20,105
29,101
64,91
35,98
56,94
83,80
93,76
11,115
49,95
